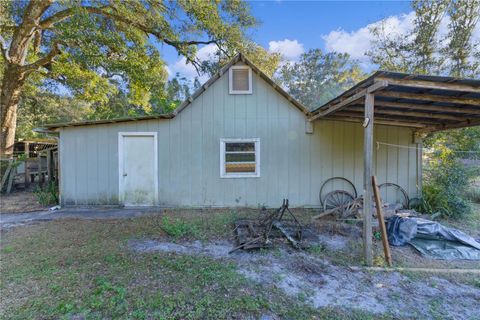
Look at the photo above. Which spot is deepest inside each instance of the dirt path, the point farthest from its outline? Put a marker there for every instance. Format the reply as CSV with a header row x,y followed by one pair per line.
x,y
322,284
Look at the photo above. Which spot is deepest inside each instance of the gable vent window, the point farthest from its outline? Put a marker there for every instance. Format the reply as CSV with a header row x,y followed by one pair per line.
x,y
239,158
240,80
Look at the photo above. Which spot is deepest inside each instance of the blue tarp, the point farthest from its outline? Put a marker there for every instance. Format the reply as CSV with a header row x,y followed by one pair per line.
x,y
432,239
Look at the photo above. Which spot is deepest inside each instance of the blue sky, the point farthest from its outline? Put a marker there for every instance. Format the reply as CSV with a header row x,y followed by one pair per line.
x,y
292,27
307,21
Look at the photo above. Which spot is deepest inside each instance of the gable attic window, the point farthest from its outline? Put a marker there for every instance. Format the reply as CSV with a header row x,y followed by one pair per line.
x,y
240,80
239,158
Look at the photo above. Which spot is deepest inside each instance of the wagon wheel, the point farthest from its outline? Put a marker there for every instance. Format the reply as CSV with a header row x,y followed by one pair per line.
x,y
401,195
322,194
339,199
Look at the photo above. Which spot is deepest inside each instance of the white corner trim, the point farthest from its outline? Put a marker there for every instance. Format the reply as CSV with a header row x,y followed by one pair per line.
x,y
121,135
230,80
256,174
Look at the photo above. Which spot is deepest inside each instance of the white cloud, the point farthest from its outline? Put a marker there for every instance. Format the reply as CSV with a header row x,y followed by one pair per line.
x,y
289,49
358,42
188,70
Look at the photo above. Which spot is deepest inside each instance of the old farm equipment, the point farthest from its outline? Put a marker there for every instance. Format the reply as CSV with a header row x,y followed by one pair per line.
x,y
260,233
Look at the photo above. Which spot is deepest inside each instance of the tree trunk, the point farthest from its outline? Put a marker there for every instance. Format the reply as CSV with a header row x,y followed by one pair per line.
x,y
12,83
14,73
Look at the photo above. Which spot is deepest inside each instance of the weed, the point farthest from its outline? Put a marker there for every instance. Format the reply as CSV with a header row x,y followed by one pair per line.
x,y
178,229
7,250
47,195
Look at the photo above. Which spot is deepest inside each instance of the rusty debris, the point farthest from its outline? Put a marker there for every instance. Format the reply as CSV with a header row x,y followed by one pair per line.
x,y
260,233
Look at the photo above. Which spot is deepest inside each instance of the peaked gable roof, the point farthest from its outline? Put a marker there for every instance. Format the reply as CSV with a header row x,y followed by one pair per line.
x,y
239,57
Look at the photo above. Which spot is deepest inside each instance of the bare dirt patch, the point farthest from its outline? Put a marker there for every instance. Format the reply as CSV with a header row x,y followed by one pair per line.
x,y
20,202
307,277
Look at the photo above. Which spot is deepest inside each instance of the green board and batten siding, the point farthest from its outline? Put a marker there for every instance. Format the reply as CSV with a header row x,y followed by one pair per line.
x,y
293,163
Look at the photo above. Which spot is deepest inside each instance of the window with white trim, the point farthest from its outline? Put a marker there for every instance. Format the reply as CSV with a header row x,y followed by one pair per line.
x,y
240,80
239,158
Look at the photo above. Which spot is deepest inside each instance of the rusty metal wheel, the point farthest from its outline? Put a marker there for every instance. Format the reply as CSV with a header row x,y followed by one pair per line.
x,y
338,199
394,191
346,185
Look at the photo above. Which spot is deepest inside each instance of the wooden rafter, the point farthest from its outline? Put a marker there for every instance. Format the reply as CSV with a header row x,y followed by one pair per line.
x,y
410,113
426,107
429,97
424,84
353,114
457,125
353,98
378,121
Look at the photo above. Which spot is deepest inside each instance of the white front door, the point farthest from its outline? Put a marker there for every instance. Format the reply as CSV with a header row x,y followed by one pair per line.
x,y
138,185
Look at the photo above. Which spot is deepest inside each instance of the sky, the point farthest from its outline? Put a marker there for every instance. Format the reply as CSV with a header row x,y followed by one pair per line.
x,y
293,27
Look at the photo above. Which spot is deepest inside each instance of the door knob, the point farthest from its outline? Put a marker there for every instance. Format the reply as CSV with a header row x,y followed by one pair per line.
x,y
124,174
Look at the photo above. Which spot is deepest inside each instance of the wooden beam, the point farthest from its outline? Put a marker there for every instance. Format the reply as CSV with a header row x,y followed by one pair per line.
x,y
367,174
464,124
425,107
429,97
355,114
377,121
26,147
425,84
49,165
359,95
411,114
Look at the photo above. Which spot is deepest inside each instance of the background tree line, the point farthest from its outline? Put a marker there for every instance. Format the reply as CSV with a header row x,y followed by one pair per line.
x,y
70,60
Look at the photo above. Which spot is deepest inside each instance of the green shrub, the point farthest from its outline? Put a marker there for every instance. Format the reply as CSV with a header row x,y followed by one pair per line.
x,y
47,195
445,185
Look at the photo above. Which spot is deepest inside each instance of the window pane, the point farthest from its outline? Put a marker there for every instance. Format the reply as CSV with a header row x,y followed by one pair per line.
x,y
240,146
240,157
240,167
240,79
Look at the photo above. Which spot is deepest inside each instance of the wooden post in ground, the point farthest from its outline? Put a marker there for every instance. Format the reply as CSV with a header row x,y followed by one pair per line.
x,y
367,174
381,222
49,165
26,146
11,178
39,169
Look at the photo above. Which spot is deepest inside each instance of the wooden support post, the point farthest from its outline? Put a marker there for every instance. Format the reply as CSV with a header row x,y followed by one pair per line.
x,y
11,179
381,222
26,146
49,165
367,176
39,168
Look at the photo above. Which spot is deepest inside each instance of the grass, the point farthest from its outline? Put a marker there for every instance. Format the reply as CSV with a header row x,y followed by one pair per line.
x,y
82,268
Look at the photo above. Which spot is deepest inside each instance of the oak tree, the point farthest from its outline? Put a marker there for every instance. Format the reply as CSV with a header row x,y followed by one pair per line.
x,y
99,49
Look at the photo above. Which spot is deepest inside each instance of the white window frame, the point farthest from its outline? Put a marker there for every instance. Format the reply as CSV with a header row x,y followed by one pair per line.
x,y
230,80
224,174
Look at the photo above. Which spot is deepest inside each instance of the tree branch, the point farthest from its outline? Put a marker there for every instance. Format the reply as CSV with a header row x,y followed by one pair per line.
x,y
67,13
48,58
3,47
